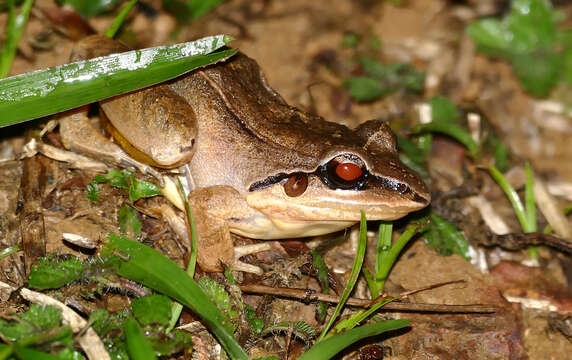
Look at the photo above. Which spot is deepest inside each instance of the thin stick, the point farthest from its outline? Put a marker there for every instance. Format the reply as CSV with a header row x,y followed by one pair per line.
x,y
310,295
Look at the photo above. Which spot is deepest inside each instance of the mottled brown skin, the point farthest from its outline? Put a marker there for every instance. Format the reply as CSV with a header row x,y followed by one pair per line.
x,y
242,142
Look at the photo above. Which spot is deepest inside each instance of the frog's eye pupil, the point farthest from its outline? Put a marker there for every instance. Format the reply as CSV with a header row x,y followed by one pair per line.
x,y
296,185
402,188
348,171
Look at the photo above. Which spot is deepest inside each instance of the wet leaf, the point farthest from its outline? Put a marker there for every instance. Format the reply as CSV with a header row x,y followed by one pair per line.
x,y
48,91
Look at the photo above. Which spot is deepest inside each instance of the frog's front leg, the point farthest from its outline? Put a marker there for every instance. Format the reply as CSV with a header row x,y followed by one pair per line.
x,y
216,211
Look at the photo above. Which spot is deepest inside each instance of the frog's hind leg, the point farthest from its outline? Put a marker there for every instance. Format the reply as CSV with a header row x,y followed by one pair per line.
x,y
79,135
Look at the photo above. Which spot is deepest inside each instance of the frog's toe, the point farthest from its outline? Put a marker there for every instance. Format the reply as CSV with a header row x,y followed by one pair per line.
x,y
240,251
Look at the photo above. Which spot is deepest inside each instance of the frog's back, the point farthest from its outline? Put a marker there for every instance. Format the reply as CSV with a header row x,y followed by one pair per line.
x,y
247,132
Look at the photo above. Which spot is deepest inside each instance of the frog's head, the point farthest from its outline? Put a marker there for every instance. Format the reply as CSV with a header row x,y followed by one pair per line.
x,y
363,174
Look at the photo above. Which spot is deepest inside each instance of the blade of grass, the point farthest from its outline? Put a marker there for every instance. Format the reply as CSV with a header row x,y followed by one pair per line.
x,y
9,251
352,322
24,353
453,130
326,349
138,347
152,269
511,195
321,270
5,351
529,203
119,19
14,29
356,269
383,246
371,284
390,256
59,88
178,308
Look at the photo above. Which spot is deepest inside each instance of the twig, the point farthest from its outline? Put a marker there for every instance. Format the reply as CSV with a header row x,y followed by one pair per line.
x,y
518,241
310,295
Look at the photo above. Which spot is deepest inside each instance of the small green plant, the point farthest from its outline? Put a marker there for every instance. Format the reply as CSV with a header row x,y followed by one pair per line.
x,y
445,118
322,275
377,79
445,238
387,253
14,30
90,8
382,79
206,298
35,334
123,179
529,38
526,214
189,10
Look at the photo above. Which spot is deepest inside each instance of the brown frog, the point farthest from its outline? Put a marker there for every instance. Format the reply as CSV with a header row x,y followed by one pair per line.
x,y
259,167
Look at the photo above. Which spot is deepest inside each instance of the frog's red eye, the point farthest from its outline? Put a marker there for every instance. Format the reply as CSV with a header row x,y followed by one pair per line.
x,y
344,172
348,171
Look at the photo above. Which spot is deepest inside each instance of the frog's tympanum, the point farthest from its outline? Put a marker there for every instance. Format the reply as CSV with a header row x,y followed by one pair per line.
x,y
259,167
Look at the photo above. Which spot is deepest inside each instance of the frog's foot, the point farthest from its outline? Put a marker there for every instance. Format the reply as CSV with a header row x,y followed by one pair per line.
x,y
240,251
79,135
178,225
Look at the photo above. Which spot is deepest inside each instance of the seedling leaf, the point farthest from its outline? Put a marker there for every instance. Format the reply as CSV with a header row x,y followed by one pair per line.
x,y
53,272
152,309
444,237
129,220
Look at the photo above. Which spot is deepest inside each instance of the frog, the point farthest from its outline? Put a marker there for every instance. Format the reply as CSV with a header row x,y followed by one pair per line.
x,y
256,166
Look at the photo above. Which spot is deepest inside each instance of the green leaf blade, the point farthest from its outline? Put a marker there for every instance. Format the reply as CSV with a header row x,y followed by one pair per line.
x,y
138,346
152,269
48,91
356,270
328,348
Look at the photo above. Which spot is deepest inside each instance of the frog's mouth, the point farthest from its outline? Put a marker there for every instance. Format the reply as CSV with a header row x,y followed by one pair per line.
x,y
390,190
320,203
